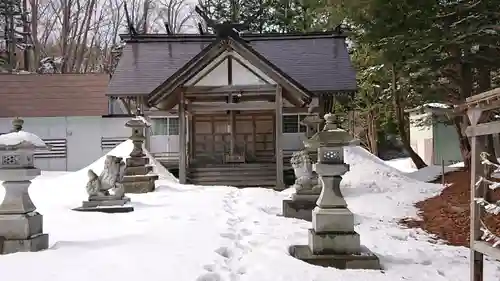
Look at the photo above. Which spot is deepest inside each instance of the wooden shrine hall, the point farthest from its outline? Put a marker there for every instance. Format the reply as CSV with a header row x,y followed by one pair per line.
x,y
230,92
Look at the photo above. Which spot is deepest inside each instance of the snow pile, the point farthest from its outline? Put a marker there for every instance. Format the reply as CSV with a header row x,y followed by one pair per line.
x,y
207,233
431,173
71,185
371,177
405,165
426,174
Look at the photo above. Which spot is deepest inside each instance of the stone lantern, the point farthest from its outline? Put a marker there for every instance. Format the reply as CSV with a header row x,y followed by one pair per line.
x,y
307,187
21,226
332,239
138,177
312,123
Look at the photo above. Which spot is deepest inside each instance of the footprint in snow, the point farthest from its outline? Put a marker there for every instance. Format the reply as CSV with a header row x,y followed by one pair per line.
x,y
230,236
210,276
224,252
209,267
246,232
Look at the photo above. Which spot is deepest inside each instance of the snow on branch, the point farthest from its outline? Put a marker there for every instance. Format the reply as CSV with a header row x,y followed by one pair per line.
x,y
485,161
491,184
491,208
488,236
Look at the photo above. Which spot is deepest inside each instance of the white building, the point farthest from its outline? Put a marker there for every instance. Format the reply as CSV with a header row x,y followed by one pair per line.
x,y
432,136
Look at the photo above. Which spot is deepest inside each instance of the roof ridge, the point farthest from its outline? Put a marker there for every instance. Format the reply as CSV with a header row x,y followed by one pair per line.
x,y
249,36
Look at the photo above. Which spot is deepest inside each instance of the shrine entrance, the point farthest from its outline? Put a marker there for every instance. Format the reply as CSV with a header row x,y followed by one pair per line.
x,y
238,137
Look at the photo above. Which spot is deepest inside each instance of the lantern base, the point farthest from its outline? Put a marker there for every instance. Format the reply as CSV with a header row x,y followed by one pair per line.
x,y
364,260
299,208
38,242
21,226
139,183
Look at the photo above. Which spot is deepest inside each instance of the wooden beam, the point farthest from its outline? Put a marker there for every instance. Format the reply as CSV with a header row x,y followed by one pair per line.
x,y
487,249
495,93
280,184
483,129
230,106
226,94
230,89
182,141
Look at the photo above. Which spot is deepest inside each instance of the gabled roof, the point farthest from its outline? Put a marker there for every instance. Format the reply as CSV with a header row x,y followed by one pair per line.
x,y
217,47
317,61
53,95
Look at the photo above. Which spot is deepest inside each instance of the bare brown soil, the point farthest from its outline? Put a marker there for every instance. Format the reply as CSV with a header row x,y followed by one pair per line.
x,y
447,215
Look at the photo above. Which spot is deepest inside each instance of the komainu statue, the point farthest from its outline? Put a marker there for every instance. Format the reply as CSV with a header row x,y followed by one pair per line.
x,y
306,180
108,183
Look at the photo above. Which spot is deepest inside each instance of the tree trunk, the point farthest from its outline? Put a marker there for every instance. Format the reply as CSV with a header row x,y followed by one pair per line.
x,y
400,118
372,133
34,35
460,122
65,34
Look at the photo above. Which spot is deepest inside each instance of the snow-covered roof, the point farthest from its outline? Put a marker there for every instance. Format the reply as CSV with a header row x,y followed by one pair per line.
x,y
21,139
432,105
138,121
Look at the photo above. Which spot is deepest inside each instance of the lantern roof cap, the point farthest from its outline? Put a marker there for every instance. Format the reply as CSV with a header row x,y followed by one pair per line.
x,y
331,135
138,122
21,140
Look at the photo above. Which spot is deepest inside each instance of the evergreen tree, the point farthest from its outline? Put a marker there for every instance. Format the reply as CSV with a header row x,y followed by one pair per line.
x,y
11,17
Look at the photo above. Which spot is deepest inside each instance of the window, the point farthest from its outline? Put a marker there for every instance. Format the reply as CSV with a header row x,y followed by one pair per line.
x,y
291,123
165,126
173,126
159,126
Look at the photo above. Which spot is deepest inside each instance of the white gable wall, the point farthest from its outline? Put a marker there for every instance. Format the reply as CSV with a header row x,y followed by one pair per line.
x,y
218,76
243,76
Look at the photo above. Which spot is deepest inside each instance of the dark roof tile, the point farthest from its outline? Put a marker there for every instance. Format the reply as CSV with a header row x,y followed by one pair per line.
x,y
319,63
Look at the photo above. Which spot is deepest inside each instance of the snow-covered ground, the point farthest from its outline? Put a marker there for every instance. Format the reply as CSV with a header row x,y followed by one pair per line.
x,y
216,233
427,174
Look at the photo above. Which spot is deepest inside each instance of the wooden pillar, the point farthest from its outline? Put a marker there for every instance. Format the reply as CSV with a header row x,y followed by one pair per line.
x,y
232,126
192,132
280,185
254,135
476,258
182,140
147,134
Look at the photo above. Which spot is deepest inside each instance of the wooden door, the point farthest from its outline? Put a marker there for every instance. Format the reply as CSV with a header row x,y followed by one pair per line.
x,y
254,136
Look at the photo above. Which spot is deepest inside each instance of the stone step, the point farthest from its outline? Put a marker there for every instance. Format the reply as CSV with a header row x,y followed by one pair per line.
x,y
233,173
236,168
237,183
140,170
245,178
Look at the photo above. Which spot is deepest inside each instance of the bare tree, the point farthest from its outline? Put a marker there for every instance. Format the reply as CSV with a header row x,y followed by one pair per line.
x,y
176,13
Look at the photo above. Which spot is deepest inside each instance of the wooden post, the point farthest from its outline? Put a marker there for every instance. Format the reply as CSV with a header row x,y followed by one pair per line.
x,y
192,138
476,258
442,172
147,134
182,140
232,127
280,185
254,136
